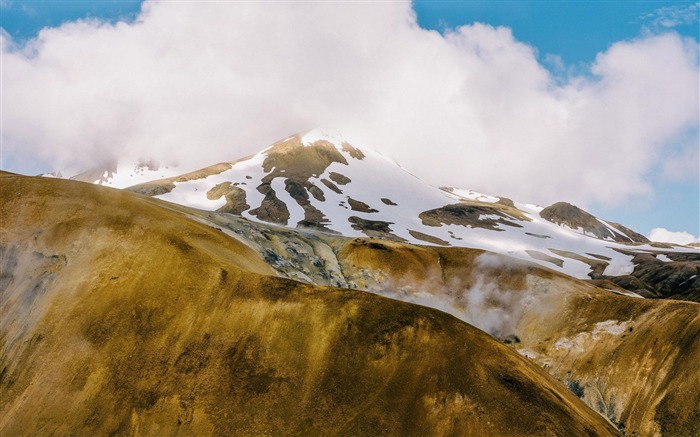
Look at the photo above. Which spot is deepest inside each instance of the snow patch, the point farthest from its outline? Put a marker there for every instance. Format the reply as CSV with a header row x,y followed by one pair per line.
x,y
130,173
663,258
620,264
473,195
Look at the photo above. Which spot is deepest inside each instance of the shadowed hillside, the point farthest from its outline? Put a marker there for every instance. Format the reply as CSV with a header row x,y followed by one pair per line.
x,y
124,317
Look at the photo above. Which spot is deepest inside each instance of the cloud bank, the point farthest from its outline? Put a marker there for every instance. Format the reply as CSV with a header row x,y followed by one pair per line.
x,y
198,83
663,235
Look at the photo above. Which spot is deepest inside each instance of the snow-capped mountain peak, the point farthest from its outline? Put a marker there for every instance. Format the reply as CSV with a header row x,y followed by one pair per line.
x,y
320,181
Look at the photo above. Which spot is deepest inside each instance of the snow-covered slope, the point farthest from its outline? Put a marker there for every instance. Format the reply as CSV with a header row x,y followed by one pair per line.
x,y
320,181
122,174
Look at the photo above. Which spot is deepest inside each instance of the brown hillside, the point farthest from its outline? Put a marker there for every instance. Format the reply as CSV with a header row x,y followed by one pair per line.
x,y
123,317
587,337
636,361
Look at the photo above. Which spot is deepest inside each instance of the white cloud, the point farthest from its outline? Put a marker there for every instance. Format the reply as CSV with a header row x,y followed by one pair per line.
x,y
205,82
663,235
672,16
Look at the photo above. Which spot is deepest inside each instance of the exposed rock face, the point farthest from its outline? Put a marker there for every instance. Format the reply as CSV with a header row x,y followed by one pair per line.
x,y
104,173
428,238
678,278
235,198
544,257
296,164
634,236
147,322
313,218
359,206
293,159
566,214
374,228
271,209
477,216
331,186
152,188
339,178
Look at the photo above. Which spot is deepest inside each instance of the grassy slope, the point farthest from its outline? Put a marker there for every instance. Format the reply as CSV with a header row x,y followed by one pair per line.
x,y
123,317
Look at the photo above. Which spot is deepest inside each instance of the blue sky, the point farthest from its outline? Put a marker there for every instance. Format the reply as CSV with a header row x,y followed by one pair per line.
x,y
576,31
566,34
23,19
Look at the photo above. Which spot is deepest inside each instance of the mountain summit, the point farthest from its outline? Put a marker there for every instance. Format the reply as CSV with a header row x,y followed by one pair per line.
x,y
320,181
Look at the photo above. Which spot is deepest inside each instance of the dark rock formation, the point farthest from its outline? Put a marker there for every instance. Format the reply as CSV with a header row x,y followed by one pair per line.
x,y
467,215
562,213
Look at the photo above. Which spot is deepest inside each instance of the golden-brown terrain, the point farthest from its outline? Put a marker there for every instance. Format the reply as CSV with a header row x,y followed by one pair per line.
x,y
636,361
123,316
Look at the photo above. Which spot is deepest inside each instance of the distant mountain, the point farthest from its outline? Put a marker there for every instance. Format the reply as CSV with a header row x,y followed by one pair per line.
x,y
321,181
565,214
121,174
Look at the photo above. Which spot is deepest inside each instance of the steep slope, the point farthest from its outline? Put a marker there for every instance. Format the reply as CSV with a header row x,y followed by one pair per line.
x,y
566,214
636,361
122,316
320,181
584,336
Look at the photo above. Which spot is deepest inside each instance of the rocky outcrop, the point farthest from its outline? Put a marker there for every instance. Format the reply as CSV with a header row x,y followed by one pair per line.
x,y
235,198
428,238
360,206
463,214
313,218
374,228
271,209
677,278
566,214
